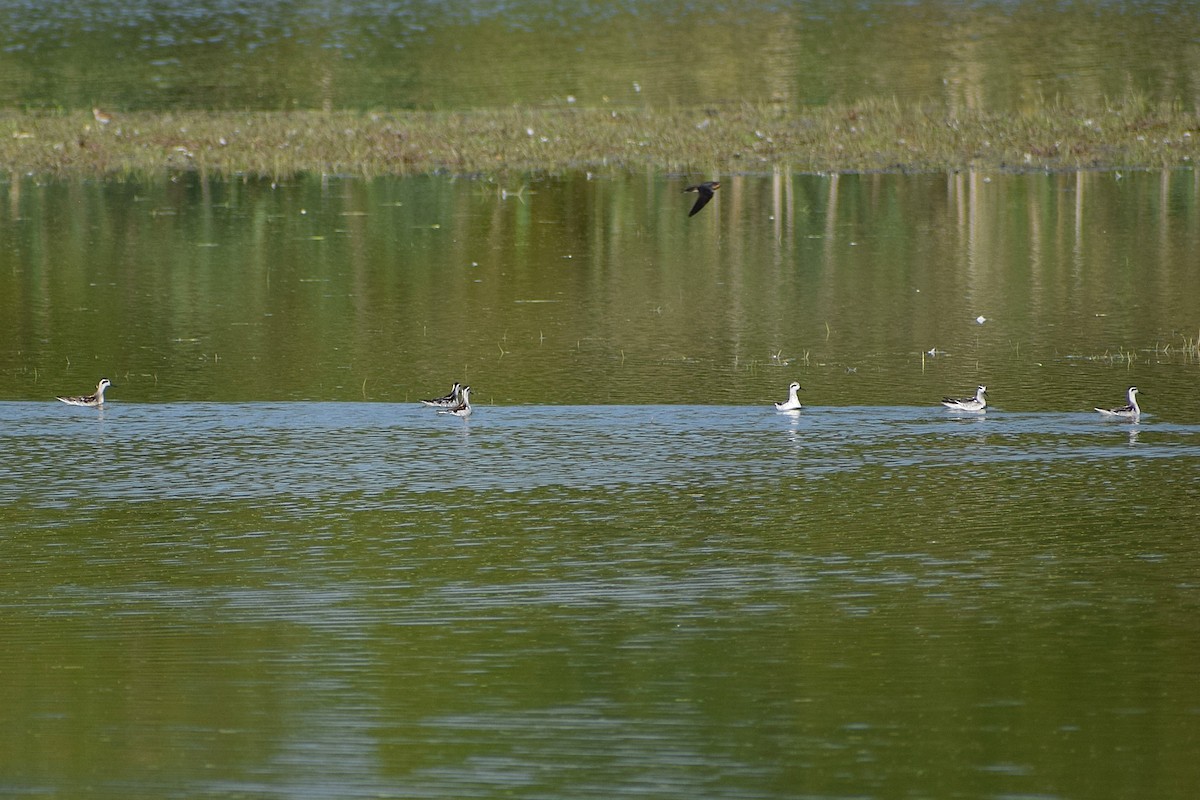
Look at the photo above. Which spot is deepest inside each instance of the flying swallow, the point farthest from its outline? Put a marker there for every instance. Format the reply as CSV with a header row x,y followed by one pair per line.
x,y
705,190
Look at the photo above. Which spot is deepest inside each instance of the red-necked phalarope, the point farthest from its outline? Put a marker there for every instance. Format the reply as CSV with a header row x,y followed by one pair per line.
x,y
1131,411
705,190
793,402
463,409
92,400
976,403
449,401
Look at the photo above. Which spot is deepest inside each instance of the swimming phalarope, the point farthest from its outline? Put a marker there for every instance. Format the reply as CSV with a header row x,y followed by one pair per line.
x,y
463,409
1131,411
449,401
793,402
92,400
976,403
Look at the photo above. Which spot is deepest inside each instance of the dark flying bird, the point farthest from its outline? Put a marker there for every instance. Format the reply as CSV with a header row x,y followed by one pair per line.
x,y
705,190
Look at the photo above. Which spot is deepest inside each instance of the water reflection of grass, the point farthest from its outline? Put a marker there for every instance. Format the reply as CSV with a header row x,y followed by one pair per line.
x,y
1181,348
880,136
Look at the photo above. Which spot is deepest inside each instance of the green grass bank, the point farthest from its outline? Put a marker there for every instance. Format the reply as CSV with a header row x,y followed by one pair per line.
x,y
865,137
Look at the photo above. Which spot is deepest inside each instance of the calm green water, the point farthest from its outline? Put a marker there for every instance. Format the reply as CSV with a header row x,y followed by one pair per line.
x,y
995,54
865,289
263,571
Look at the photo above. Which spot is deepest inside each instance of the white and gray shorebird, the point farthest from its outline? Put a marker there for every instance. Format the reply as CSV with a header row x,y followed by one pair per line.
x,y
463,409
976,403
793,402
1131,411
92,400
449,401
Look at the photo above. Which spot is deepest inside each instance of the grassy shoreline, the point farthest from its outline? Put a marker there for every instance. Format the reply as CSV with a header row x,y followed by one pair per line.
x,y
865,137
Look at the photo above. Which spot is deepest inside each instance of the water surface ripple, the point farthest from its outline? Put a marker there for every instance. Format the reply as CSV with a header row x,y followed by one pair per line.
x,y
365,599
268,453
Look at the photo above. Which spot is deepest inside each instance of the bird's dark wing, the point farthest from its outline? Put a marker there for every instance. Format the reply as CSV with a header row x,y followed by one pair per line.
x,y
705,194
